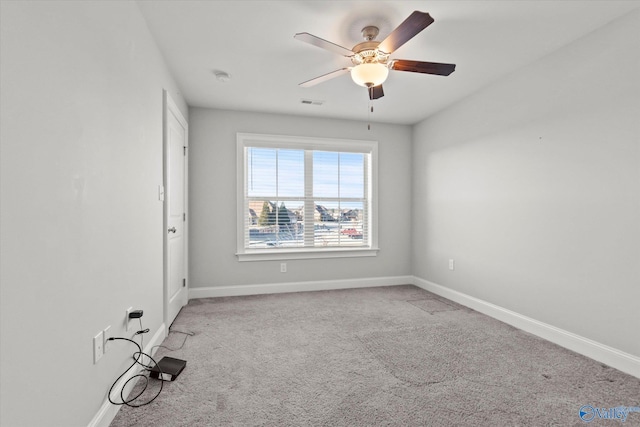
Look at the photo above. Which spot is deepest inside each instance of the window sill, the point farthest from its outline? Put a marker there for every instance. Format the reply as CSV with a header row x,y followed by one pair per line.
x,y
278,255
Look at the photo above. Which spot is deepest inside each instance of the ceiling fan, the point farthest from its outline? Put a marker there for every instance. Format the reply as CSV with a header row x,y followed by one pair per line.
x,y
371,62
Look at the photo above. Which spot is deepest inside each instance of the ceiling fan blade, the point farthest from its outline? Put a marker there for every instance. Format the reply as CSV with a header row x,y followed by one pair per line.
x,y
325,77
324,44
423,67
375,92
411,26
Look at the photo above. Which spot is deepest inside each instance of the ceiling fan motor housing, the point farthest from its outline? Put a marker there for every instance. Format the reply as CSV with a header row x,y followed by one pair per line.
x,y
368,53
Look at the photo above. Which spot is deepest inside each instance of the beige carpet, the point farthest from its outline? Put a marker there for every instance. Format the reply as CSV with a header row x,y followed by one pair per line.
x,y
391,356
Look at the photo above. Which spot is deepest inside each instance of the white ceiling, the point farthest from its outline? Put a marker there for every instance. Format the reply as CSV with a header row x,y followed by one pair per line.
x,y
253,42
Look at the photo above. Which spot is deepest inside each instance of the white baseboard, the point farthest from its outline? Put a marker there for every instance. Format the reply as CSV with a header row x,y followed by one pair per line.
x,y
108,411
275,288
620,360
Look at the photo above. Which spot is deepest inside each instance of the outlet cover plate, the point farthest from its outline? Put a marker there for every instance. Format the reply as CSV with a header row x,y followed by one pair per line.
x,y
106,334
98,342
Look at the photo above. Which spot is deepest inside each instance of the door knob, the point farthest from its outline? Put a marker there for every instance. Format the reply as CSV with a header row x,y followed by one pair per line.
x,y
171,230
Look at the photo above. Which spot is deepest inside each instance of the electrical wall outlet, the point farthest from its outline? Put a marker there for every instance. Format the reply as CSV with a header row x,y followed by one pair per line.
x,y
98,349
127,321
451,264
106,334
283,267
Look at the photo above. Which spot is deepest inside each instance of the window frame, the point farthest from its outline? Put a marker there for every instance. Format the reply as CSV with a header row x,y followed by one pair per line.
x,y
244,140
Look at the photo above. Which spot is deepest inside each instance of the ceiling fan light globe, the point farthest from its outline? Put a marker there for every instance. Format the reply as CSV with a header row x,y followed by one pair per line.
x,y
369,74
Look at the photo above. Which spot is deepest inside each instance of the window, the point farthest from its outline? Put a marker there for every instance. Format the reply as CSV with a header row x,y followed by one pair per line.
x,y
305,197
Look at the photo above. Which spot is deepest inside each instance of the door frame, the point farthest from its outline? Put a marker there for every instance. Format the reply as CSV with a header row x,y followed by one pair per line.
x,y
170,107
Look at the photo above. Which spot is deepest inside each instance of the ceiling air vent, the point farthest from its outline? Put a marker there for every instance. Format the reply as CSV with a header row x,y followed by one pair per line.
x,y
311,102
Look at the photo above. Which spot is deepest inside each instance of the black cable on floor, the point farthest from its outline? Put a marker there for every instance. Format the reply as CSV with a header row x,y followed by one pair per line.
x,y
136,355
187,335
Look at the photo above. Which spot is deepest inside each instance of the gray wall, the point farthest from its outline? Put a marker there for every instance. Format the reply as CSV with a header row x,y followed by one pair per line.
x,y
212,175
81,222
533,187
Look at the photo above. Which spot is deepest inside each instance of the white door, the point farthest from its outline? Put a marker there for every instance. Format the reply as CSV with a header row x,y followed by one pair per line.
x,y
175,212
